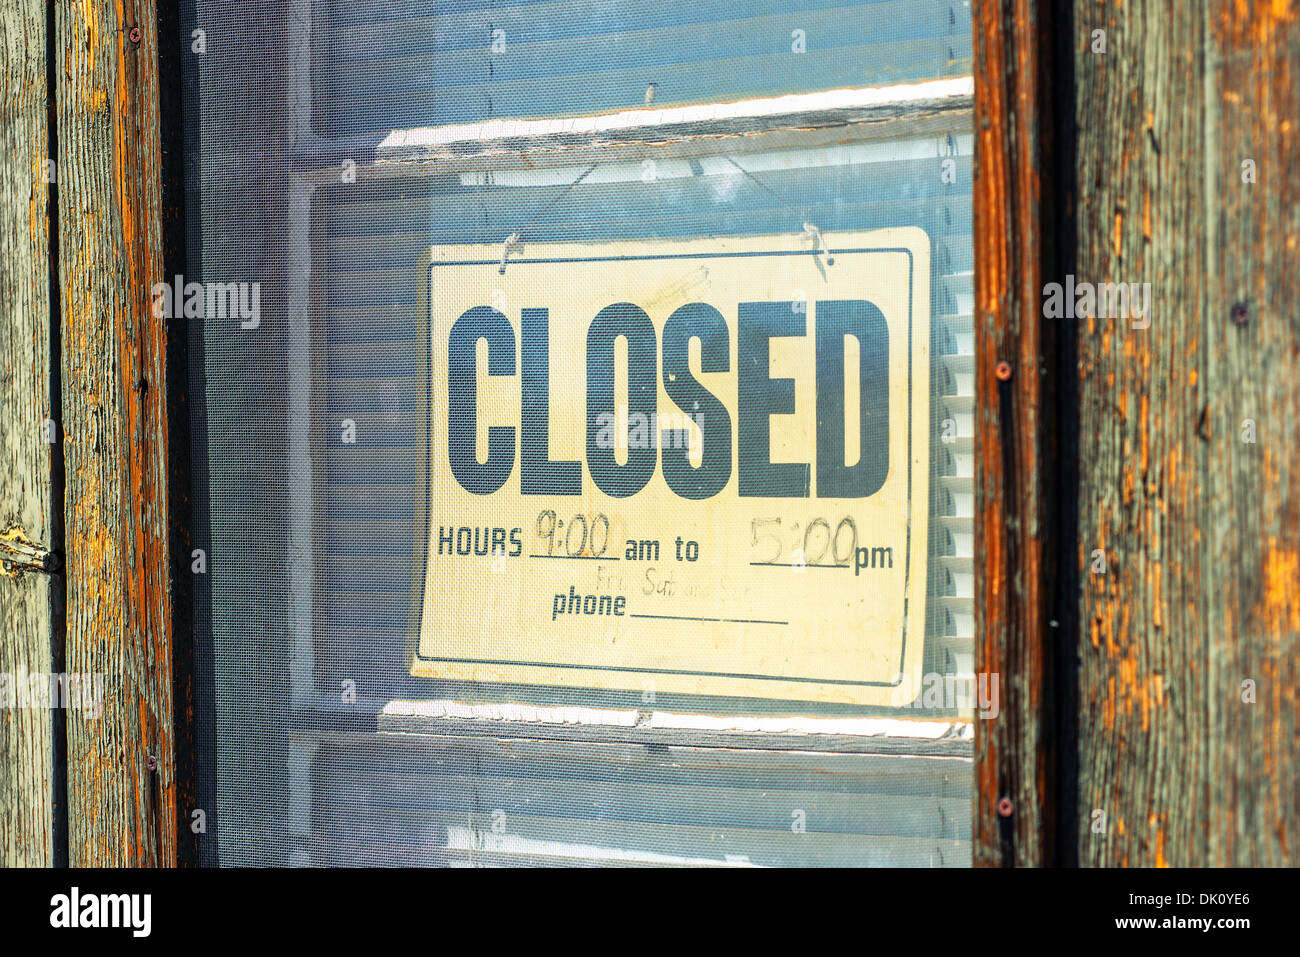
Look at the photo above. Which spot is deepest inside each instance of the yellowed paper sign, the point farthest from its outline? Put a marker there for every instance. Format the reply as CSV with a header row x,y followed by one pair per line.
x,y
694,467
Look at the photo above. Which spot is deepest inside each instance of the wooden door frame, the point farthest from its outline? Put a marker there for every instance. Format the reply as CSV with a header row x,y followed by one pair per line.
x,y
1024,400
1048,198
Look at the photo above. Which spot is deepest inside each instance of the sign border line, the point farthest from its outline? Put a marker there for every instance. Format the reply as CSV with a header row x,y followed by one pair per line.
x,y
907,573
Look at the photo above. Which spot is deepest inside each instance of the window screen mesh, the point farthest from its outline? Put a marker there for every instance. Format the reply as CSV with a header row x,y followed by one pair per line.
x,y
321,747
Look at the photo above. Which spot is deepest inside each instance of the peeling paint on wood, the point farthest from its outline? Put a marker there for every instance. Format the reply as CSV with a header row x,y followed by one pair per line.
x,y
114,412
27,774
1188,471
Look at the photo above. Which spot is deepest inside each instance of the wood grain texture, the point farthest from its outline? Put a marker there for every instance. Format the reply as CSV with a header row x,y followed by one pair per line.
x,y
27,801
1200,527
1015,193
114,411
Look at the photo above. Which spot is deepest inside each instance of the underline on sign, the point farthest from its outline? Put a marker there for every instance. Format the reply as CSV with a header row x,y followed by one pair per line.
x,y
736,621
795,565
580,558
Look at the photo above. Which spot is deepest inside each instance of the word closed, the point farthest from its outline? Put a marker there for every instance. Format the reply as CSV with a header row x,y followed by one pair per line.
x,y
759,396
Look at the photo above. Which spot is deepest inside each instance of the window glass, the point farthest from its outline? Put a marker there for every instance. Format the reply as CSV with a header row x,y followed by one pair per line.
x,y
589,477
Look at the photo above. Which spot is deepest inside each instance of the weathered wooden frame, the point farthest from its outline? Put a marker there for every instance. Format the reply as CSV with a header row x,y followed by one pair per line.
x,y
1086,661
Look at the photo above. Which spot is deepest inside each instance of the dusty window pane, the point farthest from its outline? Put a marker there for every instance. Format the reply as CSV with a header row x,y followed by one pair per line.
x,y
598,378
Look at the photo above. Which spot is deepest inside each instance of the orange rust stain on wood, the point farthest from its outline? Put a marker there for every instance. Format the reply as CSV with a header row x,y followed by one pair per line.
x,y
1128,683
1144,447
1281,593
1155,823
1157,605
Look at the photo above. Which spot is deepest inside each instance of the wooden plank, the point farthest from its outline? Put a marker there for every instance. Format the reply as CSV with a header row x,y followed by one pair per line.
x,y
1200,525
121,813
27,734
1019,488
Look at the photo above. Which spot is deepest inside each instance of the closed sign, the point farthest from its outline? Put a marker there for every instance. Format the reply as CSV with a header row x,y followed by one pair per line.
x,y
693,467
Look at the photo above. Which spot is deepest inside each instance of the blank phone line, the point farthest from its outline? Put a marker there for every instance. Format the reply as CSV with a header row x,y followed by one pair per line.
x,y
735,621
